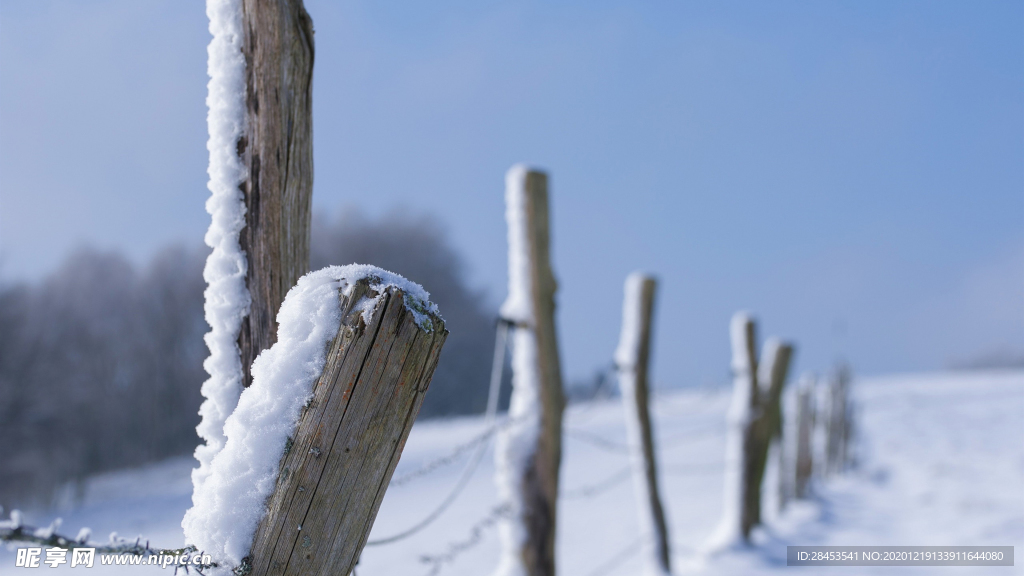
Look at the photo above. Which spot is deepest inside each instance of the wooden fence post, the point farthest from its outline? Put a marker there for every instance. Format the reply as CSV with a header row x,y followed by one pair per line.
x,y
838,426
529,449
349,438
738,447
632,358
766,424
803,461
277,148
754,422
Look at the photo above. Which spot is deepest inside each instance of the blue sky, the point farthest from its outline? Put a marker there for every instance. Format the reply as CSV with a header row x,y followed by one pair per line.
x,y
852,172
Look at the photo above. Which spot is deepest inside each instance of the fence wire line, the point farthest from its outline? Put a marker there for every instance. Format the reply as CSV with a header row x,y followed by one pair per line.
x,y
621,448
449,458
620,557
494,389
500,348
599,487
475,537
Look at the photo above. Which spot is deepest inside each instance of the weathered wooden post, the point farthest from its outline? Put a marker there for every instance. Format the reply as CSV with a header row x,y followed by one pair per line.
x,y
529,448
632,358
314,441
260,62
838,425
804,460
753,422
766,427
276,147
736,517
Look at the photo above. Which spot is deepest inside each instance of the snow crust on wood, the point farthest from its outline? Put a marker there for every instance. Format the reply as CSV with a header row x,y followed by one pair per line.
x,y
229,505
627,356
226,296
517,443
628,351
729,531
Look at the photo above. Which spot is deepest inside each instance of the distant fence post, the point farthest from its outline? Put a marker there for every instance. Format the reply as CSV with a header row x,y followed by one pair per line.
x,y
754,421
838,425
632,360
738,442
766,424
349,438
529,449
803,461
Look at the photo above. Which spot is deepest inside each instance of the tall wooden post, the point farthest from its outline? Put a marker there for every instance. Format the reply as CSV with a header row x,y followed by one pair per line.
x,y
348,439
529,449
738,442
277,148
837,425
766,424
633,360
754,420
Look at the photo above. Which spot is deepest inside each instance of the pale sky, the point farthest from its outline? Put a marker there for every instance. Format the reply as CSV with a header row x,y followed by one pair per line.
x,y
851,172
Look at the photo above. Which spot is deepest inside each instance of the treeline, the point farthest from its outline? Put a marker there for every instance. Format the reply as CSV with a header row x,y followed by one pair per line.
x,y
101,362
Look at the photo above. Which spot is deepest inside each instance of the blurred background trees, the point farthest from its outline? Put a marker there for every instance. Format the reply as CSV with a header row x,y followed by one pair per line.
x,y
101,362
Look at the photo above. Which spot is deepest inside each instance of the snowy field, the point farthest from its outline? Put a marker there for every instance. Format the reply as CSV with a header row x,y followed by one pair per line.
x,y
941,462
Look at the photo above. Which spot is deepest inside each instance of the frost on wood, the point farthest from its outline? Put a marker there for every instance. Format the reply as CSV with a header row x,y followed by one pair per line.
x,y
529,449
226,295
518,441
228,507
744,370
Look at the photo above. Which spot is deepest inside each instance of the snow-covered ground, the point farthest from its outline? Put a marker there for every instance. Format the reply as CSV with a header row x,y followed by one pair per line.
x,y
941,462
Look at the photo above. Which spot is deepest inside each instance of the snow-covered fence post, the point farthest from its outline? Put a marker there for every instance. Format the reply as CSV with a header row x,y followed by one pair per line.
x,y
767,425
276,148
753,422
632,358
803,461
529,449
838,425
260,62
315,439
736,518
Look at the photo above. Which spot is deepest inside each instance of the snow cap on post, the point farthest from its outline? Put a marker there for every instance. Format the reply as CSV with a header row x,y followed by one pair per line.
x,y
230,504
517,306
629,338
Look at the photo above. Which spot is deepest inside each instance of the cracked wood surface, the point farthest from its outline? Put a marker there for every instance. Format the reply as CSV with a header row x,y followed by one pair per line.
x,y
348,440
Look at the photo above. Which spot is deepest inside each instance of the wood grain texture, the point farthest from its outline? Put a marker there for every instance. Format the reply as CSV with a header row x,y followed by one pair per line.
x,y
540,483
348,440
277,148
640,404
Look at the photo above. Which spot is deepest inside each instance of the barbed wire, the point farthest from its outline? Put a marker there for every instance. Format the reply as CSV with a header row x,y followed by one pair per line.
x,y
598,488
14,531
621,448
447,459
595,440
475,537
497,366
467,473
